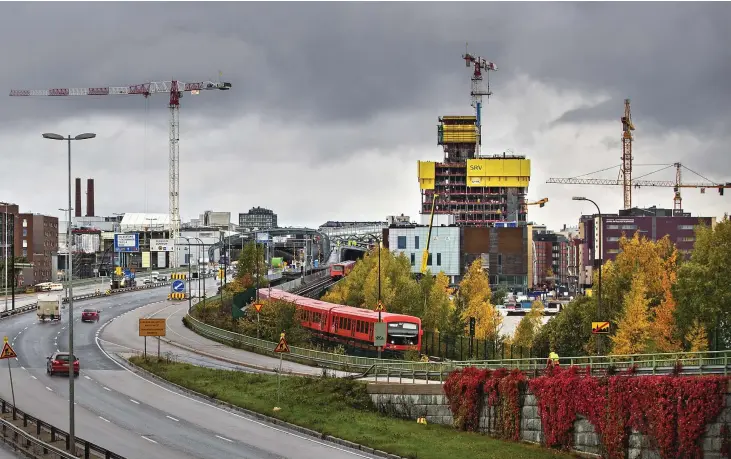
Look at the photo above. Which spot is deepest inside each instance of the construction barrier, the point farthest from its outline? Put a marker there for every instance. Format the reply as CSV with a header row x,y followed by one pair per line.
x,y
177,296
178,276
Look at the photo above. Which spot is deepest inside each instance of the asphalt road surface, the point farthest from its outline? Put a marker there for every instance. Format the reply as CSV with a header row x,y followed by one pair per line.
x,y
28,298
128,414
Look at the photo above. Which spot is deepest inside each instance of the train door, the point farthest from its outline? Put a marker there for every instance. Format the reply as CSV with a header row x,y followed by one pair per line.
x,y
370,332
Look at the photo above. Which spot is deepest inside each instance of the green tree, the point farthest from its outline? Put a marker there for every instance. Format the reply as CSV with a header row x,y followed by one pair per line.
x,y
247,269
703,292
529,326
12,276
275,317
499,295
438,305
569,332
633,330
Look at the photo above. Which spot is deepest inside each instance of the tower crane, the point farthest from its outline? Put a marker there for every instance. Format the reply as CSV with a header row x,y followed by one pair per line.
x,y
175,89
677,185
478,90
626,170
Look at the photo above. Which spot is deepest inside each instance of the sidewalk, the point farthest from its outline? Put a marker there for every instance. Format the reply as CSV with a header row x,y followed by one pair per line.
x,y
180,336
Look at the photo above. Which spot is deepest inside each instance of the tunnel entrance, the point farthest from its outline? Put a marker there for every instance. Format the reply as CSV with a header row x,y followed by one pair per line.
x,y
351,254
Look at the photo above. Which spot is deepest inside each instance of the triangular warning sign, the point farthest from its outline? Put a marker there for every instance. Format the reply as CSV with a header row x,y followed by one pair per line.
x,y
258,307
282,346
8,352
379,306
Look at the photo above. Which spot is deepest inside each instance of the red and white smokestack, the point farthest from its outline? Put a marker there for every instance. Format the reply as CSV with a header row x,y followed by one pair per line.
x,y
77,205
90,197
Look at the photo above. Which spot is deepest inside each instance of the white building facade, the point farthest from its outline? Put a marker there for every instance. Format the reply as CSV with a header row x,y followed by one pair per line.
x,y
444,250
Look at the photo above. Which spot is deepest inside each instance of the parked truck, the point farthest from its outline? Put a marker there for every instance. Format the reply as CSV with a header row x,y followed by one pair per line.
x,y
49,307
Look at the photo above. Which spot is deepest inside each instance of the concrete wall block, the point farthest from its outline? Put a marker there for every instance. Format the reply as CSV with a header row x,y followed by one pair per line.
x,y
534,424
437,410
442,420
712,444
530,400
713,429
529,412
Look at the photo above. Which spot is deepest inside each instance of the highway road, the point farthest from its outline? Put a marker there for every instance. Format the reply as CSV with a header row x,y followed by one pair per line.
x,y
28,298
130,415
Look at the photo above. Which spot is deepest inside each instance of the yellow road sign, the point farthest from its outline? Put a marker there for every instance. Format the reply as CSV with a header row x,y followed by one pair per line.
x,y
379,306
282,346
7,352
152,327
258,307
600,328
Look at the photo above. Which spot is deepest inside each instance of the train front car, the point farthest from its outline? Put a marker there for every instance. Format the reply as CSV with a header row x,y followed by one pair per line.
x,y
403,333
337,271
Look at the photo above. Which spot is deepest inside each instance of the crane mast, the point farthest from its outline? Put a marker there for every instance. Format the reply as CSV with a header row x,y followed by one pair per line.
x,y
626,170
478,90
175,89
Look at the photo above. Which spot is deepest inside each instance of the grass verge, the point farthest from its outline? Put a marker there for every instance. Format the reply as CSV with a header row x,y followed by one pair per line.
x,y
340,408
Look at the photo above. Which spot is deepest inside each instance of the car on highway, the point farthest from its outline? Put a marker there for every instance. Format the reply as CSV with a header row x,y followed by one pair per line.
x,y
90,315
59,363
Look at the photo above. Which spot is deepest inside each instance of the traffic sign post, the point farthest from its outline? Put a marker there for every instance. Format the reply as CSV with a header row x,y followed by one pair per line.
x,y
178,286
380,308
152,327
257,306
7,354
281,348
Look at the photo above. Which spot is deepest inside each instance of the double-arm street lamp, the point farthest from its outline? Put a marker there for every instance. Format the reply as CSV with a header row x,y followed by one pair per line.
x,y
601,259
71,444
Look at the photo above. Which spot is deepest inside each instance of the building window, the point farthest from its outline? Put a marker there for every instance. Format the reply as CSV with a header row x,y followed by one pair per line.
x,y
413,259
416,242
629,227
428,262
25,252
439,259
686,239
401,242
612,227
685,227
25,232
613,239
613,251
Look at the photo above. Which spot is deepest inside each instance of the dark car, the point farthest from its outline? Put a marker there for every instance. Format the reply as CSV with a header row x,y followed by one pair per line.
x,y
90,315
59,363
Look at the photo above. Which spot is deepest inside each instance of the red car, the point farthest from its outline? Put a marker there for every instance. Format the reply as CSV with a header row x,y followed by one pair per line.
x,y
59,363
90,315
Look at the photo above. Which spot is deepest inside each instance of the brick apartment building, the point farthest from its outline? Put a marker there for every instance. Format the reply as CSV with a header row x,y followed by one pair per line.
x,y
35,238
653,223
551,260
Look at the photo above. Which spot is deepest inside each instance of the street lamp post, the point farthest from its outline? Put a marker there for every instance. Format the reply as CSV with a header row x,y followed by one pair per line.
x,y
190,275
203,254
601,259
71,440
379,289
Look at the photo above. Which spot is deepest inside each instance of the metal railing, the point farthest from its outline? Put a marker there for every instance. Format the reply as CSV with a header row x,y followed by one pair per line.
x,y
710,362
86,448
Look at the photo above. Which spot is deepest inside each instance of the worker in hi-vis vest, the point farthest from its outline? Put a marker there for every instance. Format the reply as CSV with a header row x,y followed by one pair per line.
x,y
552,359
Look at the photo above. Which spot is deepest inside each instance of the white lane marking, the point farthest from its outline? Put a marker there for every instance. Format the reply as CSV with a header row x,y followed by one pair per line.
x,y
26,328
134,401
87,377
107,420
106,388
148,439
236,415
48,388
33,377
170,417
22,367
224,438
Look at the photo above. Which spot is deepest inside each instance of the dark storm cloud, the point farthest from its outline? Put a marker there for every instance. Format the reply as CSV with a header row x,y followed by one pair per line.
x,y
348,62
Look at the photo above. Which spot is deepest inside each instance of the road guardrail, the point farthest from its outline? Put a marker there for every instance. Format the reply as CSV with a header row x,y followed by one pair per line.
x,y
709,362
29,440
86,296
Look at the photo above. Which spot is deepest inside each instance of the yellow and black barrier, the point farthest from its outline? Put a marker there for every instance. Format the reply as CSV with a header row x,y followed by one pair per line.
x,y
176,296
178,276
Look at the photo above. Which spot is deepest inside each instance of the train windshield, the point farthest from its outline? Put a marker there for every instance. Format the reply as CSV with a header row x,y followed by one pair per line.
x,y
403,333
337,268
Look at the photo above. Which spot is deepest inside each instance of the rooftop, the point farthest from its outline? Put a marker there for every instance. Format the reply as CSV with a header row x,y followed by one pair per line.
x,y
142,221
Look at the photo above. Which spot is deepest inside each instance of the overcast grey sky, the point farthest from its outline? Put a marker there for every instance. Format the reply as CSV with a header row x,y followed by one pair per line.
x,y
333,103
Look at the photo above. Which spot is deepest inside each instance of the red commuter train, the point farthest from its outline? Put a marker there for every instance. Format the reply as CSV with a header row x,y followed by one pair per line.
x,y
352,326
342,269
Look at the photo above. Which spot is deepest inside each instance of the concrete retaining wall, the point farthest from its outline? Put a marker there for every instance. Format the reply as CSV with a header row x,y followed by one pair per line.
x,y
412,401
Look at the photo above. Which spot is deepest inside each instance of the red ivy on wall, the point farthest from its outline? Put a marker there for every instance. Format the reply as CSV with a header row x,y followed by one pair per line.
x,y
468,391
672,411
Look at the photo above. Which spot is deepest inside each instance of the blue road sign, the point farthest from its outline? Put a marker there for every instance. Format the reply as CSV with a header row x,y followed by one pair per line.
x,y
178,286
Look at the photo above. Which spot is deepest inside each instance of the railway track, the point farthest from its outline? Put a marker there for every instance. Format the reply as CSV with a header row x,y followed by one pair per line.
x,y
310,290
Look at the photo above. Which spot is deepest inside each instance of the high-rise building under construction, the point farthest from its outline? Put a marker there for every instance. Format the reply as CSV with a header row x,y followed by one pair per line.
x,y
476,190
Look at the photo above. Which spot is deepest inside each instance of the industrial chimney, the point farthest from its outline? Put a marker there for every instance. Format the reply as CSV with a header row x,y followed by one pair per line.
x,y
77,206
90,197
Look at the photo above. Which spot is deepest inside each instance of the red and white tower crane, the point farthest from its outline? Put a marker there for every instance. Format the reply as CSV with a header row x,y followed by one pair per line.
x,y
175,89
478,89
